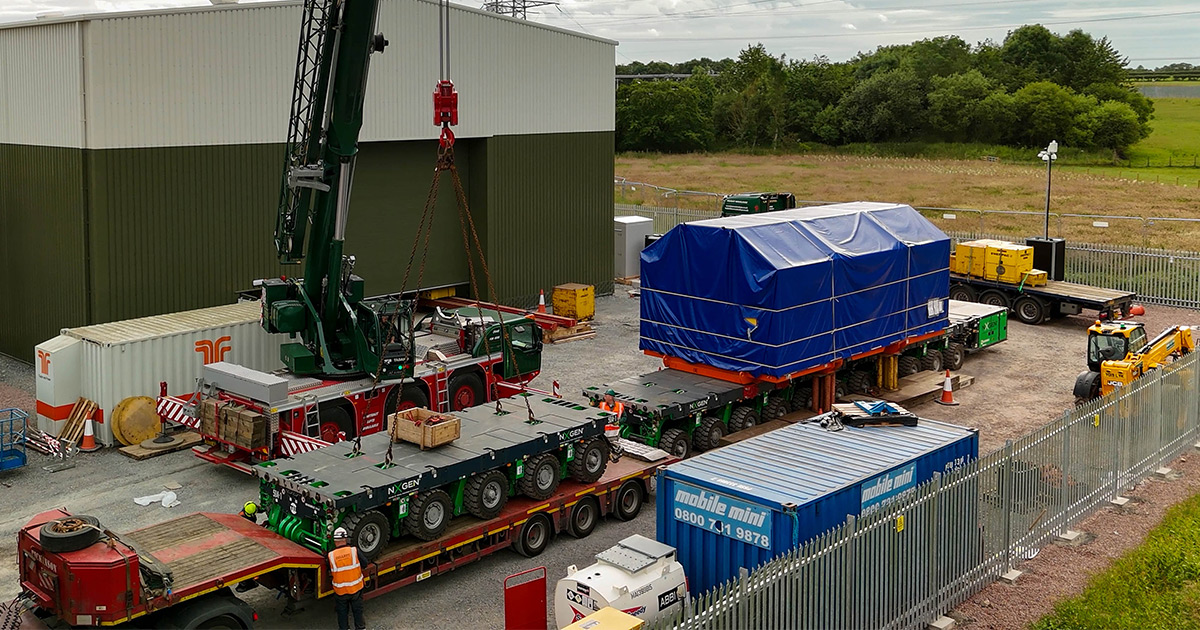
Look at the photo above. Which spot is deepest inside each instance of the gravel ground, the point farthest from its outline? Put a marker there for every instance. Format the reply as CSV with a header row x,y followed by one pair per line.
x,y
1026,381
1020,384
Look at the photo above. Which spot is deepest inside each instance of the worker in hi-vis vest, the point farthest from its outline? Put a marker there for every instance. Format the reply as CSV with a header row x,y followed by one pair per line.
x,y
611,405
347,577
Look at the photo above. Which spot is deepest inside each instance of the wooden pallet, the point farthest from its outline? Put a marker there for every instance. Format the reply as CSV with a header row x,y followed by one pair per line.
x,y
72,430
918,388
629,280
190,439
563,334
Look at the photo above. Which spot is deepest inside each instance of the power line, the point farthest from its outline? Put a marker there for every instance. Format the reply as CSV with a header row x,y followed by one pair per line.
x,y
910,32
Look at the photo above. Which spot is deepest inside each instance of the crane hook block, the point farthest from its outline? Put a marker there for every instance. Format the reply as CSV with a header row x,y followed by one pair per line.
x,y
445,104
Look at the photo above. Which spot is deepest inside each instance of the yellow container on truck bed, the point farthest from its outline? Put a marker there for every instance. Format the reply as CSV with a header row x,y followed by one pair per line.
x,y
1007,262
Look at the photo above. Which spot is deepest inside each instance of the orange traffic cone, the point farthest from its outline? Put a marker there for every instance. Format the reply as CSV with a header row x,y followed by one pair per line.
x,y
541,301
89,438
947,392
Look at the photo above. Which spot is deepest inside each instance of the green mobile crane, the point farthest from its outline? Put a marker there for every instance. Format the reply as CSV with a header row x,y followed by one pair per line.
x,y
342,334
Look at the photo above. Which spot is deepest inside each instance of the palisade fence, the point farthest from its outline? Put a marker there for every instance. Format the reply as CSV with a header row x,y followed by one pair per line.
x,y
931,550
1158,276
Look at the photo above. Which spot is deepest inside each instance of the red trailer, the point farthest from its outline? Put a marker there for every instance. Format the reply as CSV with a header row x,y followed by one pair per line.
x,y
178,574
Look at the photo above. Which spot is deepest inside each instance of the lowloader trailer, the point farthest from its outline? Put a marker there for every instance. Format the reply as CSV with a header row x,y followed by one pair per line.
x,y
177,574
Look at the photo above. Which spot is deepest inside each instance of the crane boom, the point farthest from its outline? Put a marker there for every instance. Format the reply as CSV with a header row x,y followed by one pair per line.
x,y
341,333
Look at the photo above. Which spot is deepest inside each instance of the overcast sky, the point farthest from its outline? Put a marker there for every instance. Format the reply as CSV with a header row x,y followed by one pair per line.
x,y
1149,32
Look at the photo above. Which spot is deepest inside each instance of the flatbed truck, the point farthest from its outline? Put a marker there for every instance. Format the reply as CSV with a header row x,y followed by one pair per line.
x,y
177,574
1034,305
685,407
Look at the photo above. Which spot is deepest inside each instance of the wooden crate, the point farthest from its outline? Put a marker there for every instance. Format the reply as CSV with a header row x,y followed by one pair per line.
x,y
252,429
577,301
425,428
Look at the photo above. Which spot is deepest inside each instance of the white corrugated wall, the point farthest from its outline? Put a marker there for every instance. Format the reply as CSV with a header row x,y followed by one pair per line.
x,y
224,76
130,358
40,86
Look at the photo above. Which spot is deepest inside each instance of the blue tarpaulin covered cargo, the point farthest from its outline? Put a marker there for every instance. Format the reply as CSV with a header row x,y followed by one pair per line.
x,y
778,293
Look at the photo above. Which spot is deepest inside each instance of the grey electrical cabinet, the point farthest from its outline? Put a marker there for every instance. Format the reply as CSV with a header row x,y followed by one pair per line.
x,y
629,237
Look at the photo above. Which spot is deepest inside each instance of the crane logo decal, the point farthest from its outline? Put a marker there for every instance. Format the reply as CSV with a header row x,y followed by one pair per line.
x,y
43,362
214,350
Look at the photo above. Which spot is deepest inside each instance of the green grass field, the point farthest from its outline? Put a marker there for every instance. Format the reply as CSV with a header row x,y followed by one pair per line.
x,y
1156,585
1176,134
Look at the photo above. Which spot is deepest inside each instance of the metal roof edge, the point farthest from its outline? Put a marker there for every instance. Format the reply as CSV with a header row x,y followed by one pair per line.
x,y
89,17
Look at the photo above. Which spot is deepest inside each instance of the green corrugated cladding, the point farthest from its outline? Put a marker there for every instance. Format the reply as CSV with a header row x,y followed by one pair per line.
x,y
176,228
42,254
550,200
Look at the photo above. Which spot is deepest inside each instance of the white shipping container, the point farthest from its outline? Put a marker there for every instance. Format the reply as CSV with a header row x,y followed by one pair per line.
x,y
129,358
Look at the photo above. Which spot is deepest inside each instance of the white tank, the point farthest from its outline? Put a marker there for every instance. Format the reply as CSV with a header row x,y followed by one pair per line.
x,y
638,576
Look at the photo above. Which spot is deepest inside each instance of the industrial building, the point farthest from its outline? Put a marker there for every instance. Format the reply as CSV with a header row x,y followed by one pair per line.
x,y
143,152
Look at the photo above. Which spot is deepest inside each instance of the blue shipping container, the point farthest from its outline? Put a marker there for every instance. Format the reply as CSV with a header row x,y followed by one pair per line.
x,y
743,504
778,293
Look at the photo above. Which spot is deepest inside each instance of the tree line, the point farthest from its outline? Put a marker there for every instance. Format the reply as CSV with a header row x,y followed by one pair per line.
x,y
1034,87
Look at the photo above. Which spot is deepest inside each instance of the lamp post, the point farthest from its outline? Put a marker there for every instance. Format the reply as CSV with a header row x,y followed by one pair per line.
x,y
1048,155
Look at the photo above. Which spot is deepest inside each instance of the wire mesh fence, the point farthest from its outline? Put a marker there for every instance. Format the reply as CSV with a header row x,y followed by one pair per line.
x,y
957,533
1158,276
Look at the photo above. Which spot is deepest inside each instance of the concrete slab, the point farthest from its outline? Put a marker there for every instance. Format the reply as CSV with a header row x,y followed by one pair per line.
x,y
942,623
1119,501
1011,577
1162,473
1069,536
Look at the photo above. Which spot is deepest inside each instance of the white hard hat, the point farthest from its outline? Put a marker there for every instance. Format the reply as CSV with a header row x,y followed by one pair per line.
x,y
340,533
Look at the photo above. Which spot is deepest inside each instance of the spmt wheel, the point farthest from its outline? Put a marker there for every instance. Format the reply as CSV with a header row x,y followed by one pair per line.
x,y
708,435
428,514
541,476
591,459
369,531
675,442
486,494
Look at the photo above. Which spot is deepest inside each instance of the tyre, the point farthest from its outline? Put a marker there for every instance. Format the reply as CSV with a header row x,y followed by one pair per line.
x,y
994,298
224,622
1029,310
628,502
775,409
534,536
802,397
486,494
413,395
584,517
541,476
907,366
336,422
591,459
369,531
466,391
676,442
953,356
70,534
1087,386
962,292
742,418
428,514
932,361
859,382
839,391
708,435
391,404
